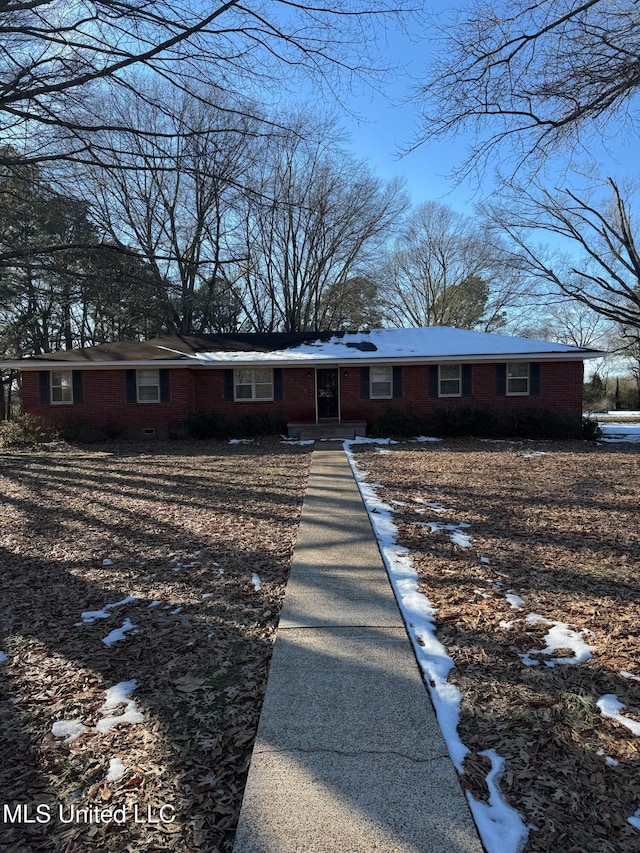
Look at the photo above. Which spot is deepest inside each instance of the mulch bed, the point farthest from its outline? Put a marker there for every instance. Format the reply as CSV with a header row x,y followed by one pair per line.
x,y
202,536
558,525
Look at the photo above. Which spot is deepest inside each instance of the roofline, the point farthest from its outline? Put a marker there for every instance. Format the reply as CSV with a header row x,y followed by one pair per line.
x,y
191,362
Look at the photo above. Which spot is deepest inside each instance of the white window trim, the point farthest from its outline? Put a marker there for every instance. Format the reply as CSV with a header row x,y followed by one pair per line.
x,y
60,402
441,380
373,396
252,398
157,385
528,378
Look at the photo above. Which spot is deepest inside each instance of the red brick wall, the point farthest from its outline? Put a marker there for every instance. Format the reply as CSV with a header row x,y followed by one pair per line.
x,y
560,393
203,390
104,402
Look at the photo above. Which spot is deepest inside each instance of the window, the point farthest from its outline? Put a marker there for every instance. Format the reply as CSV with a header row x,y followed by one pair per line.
x,y
61,386
450,380
380,383
253,384
148,384
517,377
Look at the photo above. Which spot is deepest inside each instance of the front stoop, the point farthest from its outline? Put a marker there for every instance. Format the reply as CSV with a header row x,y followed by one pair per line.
x,y
310,431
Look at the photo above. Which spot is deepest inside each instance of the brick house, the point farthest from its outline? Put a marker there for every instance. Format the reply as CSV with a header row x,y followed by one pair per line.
x,y
318,382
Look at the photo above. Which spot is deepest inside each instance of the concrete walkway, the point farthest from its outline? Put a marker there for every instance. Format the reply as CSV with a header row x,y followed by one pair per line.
x,y
348,757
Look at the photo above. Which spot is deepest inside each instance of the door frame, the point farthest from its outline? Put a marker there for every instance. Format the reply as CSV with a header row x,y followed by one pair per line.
x,y
337,370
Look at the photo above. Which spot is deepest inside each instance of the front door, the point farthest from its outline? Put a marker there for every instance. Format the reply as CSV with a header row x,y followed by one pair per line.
x,y
327,392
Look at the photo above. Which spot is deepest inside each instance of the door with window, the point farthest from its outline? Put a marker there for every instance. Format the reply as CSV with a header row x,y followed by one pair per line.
x,y
327,392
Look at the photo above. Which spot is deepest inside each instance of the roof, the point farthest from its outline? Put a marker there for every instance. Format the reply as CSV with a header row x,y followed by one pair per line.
x,y
416,345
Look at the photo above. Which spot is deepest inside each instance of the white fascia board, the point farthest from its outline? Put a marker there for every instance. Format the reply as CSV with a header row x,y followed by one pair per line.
x,y
368,358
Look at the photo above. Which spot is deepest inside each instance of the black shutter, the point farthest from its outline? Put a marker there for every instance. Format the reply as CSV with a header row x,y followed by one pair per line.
x,y
278,392
78,386
364,383
501,380
433,380
228,384
165,392
44,386
397,382
534,379
132,388
466,380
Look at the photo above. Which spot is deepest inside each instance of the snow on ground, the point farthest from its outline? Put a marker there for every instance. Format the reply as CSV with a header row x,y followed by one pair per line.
x,y
454,530
634,820
610,706
615,432
257,583
515,601
120,633
70,730
90,616
116,770
559,636
117,696
501,828
3,657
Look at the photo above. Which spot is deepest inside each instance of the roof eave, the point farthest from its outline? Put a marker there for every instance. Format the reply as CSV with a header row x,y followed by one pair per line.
x,y
310,361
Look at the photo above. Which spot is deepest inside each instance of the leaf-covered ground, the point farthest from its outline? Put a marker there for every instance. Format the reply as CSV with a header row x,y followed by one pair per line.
x,y
556,527
201,536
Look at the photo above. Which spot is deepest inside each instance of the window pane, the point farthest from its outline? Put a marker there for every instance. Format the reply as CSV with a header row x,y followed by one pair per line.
x,y
61,386
380,374
148,377
518,370
148,394
264,391
242,377
243,392
450,387
262,374
449,371
380,389
518,386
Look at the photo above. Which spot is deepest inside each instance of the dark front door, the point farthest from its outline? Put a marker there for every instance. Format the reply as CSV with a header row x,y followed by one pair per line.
x,y
327,391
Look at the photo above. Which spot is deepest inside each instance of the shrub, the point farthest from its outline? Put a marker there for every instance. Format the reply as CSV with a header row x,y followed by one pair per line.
x,y
206,425
467,421
79,430
22,430
591,430
261,423
396,422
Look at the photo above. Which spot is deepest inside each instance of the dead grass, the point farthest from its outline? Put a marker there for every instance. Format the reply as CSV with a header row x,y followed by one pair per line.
x,y
562,531
185,526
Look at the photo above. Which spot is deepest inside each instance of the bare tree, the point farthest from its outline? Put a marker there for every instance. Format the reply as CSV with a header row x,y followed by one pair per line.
x,y
446,269
317,220
61,61
535,74
601,268
174,200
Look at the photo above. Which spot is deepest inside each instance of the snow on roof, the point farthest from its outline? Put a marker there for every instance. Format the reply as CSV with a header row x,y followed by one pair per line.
x,y
391,344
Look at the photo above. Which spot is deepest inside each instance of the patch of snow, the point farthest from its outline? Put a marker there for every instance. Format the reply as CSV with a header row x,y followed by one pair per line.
x,y
3,657
505,624
455,531
119,633
155,603
68,729
240,441
559,636
115,696
607,758
626,674
116,770
515,601
90,616
485,560
436,507
257,583
634,820
176,611
610,706
107,562
501,827
616,432
208,595
533,454
426,438
301,443
383,450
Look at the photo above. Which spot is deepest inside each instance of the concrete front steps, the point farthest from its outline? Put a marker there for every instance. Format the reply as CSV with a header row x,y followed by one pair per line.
x,y
326,429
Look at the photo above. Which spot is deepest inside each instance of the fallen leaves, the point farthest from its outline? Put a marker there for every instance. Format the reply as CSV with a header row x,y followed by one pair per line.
x,y
181,527
561,540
